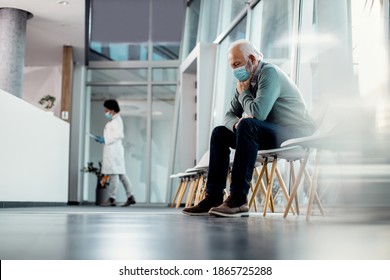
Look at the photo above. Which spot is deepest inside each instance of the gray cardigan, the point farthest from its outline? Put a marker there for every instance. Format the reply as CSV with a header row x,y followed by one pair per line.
x,y
273,98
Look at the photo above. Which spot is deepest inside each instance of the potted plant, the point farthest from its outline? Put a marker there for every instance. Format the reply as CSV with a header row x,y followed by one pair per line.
x,y
48,101
102,182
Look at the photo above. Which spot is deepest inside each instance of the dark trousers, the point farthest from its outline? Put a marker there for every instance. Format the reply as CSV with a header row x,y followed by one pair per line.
x,y
252,135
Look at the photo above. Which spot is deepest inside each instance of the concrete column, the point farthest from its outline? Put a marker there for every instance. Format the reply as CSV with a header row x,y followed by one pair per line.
x,y
13,24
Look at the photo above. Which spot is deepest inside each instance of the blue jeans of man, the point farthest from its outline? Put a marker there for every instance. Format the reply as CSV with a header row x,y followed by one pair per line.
x,y
251,135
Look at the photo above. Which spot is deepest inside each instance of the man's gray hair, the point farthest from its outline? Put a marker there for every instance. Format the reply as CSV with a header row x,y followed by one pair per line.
x,y
247,48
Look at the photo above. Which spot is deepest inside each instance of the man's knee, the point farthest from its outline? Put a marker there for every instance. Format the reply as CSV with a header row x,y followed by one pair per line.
x,y
219,130
221,135
247,123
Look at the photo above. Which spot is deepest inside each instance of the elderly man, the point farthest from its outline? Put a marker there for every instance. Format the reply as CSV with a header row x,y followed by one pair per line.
x,y
267,109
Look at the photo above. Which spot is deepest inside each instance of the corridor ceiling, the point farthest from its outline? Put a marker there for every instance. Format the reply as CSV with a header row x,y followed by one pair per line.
x,y
54,24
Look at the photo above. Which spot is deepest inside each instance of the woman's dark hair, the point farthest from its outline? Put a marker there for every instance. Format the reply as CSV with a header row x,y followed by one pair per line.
x,y
112,104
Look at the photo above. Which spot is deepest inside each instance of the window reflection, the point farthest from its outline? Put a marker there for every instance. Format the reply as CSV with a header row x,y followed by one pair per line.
x,y
166,51
224,89
272,30
236,7
209,24
163,100
191,27
122,30
164,74
117,75
344,65
119,92
167,21
369,46
133,104
276,29
118,52
230,9
325,68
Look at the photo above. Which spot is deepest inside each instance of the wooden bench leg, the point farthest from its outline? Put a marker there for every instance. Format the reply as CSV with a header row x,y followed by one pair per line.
x,y
259,183
177,192
182,192
270,183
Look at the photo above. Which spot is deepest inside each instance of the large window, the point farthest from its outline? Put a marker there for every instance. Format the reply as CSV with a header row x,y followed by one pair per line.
x,y
146,96
230,9
370,40
271,34
133,104
272,31
163,101
337,52
325,68
191,27
133,58
118,75
224,89
124,30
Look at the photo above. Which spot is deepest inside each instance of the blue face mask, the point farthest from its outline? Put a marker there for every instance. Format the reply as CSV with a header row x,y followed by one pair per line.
x,y
241,73
108,115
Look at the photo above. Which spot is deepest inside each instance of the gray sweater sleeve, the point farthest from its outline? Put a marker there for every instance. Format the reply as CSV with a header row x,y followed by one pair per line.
x,y
234,113
268,91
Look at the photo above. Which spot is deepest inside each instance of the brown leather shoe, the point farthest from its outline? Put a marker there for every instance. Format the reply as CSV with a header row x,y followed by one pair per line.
x,y
203,208
130,200
234,206
109,202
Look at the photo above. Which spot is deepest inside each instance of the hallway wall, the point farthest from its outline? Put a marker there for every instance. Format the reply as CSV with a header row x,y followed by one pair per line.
x,y
34,152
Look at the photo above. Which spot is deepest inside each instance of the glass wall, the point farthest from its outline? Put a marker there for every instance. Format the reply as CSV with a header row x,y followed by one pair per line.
x,y
271,34
112,37
325,46
119,75
230,9
163,101
133,104
146,153
167,21
124,30
225,88
134,53
326,69
272,31
190,36
340,43
370,47
336,51
208,26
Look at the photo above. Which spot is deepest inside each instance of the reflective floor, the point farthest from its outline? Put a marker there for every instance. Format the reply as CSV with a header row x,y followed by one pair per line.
x,y
97,233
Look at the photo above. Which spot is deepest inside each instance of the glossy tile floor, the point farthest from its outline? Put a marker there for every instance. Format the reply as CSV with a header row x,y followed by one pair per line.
x,y
100,233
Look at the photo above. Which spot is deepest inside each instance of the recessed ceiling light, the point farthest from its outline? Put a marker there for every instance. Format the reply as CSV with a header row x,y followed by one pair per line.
x,y
63,2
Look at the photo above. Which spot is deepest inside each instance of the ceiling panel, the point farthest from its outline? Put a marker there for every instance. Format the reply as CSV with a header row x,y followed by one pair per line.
x,y
53,25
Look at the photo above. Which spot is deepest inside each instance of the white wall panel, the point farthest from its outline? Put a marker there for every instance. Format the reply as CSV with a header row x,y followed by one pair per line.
x,y
34,153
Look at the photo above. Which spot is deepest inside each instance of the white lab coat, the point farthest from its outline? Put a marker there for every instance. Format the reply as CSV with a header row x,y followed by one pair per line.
x,y
113,153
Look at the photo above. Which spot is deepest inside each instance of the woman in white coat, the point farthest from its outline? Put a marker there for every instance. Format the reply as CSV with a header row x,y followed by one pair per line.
x,y
113,153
